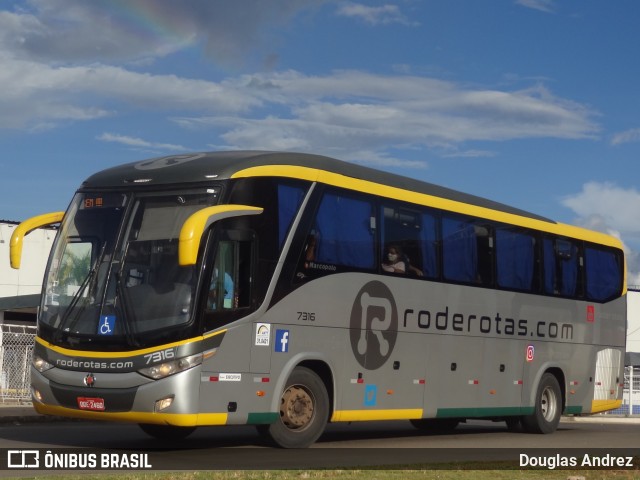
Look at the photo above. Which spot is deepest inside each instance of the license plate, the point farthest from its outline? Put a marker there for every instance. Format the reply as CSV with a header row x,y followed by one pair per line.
x,y
91,403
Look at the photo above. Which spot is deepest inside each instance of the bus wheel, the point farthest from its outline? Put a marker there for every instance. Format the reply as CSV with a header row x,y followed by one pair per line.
x,y
548,407
436,425
166,432
304,411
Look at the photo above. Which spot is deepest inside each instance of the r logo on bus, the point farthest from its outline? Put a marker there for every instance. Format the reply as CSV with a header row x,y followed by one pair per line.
x,y
374,325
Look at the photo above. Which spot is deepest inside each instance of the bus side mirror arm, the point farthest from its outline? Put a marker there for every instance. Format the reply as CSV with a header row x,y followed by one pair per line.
x,y
26,227
194,227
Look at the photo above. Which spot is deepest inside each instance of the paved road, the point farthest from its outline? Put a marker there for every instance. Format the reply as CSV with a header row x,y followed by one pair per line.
x,y
357,444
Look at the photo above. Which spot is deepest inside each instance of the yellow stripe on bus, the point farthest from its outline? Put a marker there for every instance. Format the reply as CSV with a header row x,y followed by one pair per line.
x,y
365,415
174,419
598,406
132,353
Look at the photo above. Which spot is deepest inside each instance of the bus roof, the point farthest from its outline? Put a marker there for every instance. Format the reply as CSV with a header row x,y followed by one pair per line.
x,y
211,166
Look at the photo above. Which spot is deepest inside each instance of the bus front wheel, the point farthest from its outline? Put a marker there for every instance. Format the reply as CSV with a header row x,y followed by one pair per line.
x,y
548,407
304,411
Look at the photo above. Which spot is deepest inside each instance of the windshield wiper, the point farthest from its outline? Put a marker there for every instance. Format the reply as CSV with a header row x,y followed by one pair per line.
x,y
71,308
129,314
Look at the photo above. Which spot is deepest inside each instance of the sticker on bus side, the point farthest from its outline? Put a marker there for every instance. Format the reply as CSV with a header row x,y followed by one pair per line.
x,y
282,341
107,325
263,334
530,353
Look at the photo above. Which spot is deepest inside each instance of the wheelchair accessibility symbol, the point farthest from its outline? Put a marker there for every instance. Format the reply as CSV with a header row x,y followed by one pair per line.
x,y
107,324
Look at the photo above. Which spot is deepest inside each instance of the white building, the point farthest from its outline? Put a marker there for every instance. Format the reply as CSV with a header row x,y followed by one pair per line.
x,y
633,320
20,289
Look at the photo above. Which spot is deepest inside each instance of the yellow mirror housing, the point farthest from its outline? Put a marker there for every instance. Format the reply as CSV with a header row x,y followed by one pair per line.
x,y
194,227
26,227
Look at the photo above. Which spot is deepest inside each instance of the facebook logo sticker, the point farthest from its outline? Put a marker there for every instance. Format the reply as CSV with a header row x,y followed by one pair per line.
x,y
282,341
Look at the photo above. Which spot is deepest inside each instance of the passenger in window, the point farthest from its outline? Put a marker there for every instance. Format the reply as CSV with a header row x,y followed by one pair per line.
x,y
310,250
393,261
227,293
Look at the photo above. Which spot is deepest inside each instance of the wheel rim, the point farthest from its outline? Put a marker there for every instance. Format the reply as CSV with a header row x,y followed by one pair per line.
x,y
297,407
548,404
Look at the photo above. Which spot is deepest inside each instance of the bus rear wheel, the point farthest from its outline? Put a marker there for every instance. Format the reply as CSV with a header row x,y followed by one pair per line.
x,y
304,411
548,407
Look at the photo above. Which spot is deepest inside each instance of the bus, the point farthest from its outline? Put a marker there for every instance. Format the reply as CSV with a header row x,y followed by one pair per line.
x,y
289,290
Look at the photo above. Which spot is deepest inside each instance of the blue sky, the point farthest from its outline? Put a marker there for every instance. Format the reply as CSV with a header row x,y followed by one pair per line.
x,y
533,103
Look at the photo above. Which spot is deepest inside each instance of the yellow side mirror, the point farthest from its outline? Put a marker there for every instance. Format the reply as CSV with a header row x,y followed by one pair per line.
x,y
17,238
194,227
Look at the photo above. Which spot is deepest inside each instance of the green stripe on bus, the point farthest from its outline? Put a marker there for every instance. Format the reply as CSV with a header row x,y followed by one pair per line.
x,y
483,412
262,418
573,410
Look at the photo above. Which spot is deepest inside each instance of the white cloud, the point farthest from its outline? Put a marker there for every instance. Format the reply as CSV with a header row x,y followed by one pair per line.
x,y
347,111
613,205
382,15
632,135
541,5
351,111
106,31
36,94
611,209
139,143
470,154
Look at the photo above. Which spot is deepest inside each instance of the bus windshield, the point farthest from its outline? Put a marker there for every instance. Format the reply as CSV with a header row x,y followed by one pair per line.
x,y
128,291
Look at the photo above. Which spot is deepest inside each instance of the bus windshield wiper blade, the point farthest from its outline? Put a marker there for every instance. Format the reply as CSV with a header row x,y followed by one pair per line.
x,y
129,314
71,308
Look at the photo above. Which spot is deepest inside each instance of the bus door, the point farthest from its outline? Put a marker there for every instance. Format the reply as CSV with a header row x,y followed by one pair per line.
x,y
230,295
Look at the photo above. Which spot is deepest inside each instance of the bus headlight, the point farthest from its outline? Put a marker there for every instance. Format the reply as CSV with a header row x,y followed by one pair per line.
x,y
41,364
166,369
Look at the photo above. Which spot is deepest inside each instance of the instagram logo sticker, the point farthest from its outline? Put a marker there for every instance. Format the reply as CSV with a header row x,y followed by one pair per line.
x,y
530,353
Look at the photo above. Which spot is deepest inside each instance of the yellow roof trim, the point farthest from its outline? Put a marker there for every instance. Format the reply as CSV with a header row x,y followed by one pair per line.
x,y
365,186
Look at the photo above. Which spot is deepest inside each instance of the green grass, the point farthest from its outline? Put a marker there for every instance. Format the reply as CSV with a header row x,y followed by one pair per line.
x,y
446,472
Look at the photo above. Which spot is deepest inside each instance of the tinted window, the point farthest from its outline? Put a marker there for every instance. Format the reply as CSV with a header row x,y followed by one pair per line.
x,y
459,250
289,201
515,252
342,232
561,267
603,274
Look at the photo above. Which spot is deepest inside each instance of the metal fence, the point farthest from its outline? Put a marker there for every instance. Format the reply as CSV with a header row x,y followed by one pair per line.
x,y
16,345
631,393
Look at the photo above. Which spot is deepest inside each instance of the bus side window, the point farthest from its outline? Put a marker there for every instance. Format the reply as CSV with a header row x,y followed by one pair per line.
x,y
515,250
467,251
603,274
562,264
429,246
459,250
342,234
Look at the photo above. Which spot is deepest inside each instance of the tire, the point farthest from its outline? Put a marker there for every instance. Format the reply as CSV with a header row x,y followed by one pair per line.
x,y
304,411
548,407
436,425
166,432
